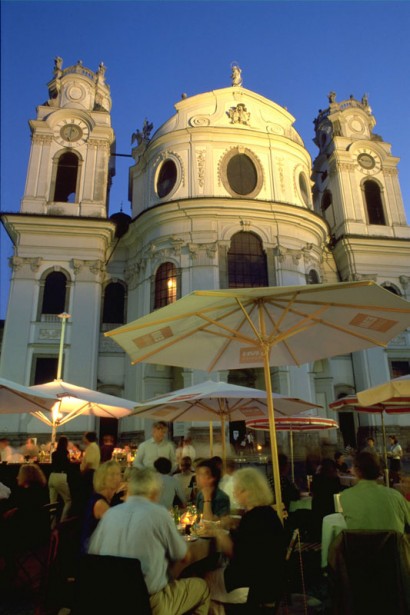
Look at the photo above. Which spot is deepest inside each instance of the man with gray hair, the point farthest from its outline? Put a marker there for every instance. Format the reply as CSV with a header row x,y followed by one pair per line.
x,y
142,529
157,446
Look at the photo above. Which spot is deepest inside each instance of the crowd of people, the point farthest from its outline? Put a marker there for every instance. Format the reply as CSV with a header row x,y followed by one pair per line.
x,y
126,513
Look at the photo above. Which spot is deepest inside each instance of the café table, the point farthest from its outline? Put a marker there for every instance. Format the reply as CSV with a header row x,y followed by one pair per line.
x,y
199,550
332,525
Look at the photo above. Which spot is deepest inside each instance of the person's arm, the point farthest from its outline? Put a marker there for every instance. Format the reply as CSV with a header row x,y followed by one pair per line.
x,y
100,507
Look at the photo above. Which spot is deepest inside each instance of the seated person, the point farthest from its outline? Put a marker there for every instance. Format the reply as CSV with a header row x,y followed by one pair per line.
x,y
184,476
226,483
324,485
289,490
256,550
371,506
172,492
141,529
211,501
107,481
341,465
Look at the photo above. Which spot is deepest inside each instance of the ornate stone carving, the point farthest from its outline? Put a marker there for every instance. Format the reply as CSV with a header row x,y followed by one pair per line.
x,y
275,129
390,171
211,249
200,156
17,262
172,155
239,114
199,120
177,245
42,139
236,75
404,281
49,334
281,174
245,224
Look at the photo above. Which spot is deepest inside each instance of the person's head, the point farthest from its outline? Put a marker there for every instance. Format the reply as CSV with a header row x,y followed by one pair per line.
x,y
370,442
216,460
31,475
159,431
339,458
90,436
208,473
108,440
144,482
62,444
251,488
366,466
393,439
4,442
328,468
185,464
107,476
163,465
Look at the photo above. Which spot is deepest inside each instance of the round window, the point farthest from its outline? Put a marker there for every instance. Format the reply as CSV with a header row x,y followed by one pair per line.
x,y
242,175
167,178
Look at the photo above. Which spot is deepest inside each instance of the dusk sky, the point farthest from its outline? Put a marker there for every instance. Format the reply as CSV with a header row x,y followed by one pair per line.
x,y
293,53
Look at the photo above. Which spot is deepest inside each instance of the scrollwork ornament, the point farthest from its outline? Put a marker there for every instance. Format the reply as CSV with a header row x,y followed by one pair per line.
x,y
199,120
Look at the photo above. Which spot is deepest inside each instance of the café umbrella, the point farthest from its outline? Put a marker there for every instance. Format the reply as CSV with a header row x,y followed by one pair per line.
x,y
74,401
210,400
16,398
243,328
292,424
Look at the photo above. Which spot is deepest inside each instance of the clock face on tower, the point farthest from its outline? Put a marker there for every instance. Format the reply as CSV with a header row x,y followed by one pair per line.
x,y
71,132
368,162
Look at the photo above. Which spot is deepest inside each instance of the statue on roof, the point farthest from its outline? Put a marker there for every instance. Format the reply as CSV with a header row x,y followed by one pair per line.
x,y
236,76
142,135
58,63
332,97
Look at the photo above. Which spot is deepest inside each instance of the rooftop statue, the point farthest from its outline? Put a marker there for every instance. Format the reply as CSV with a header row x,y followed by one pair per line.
x,y
142,135
236,75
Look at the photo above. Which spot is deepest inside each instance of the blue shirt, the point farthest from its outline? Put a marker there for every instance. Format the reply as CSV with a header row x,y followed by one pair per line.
x,y
220,503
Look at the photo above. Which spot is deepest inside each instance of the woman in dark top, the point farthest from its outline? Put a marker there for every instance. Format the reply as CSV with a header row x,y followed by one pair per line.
x,y
58,479
211,502
256,550
324,485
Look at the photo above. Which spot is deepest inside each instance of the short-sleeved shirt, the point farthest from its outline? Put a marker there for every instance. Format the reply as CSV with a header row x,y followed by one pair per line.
x,y
92,457
171,488
370,506
149,451
143,530
220,503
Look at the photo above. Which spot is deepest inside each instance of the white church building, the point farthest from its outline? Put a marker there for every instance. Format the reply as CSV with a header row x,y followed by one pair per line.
x,y
224,194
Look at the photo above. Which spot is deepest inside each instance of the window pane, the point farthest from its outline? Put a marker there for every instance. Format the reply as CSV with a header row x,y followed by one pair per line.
x,y
114,303
165,285
242,175
54,293
247,262
166,178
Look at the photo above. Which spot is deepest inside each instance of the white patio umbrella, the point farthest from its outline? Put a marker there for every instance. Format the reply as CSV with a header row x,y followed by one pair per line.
x,y
219,400
74,401
245,328
16,398
292,424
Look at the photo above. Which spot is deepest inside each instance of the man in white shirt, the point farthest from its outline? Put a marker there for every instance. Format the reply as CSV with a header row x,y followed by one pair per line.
x,y
142,529
157,446
6,452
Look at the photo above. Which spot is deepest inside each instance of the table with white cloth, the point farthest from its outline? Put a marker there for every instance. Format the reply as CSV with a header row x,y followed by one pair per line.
x,y
348,480
332,525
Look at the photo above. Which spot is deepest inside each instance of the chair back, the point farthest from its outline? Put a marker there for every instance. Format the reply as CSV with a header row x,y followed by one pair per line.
x,y
99,576
369,572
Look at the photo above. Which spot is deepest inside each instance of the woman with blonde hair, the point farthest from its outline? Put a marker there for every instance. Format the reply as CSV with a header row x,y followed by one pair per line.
x,y
257,549
107,481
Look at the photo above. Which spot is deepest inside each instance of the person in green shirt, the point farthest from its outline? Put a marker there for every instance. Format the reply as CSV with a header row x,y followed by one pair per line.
x,y
371,506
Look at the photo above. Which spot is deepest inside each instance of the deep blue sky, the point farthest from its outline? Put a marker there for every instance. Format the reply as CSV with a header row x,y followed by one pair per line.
x,y
291,52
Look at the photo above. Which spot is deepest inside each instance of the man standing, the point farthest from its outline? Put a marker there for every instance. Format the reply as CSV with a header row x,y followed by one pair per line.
x,y
155,447
140,528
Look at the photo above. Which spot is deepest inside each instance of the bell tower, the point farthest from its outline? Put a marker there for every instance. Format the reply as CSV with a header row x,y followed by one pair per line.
x,y
70,168
357,190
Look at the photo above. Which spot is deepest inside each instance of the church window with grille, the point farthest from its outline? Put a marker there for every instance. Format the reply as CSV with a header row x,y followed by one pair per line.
x,y
114,303
166,285
374,204
54,293
242,174
66,179
247,266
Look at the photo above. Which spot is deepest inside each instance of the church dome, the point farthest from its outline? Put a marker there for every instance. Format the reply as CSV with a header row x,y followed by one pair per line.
x,y
230,143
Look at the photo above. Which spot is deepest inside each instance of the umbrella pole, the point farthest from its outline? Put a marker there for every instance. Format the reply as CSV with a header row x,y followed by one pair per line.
x,y
272,433
386,469
211,439
291,455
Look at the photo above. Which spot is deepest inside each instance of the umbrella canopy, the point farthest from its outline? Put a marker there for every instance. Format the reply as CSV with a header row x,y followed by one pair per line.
x,y
292,424
250,327
18,399
393,393
219,400
76,400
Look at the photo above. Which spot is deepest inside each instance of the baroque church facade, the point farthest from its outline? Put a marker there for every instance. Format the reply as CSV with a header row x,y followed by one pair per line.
x,y
224,194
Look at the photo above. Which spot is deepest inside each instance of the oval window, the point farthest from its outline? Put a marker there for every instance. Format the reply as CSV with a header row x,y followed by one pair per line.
x,y
242,175
167,178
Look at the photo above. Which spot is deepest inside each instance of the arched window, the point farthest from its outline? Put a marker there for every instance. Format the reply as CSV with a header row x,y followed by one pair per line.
x,y
247,265
114,303
312,277
54,294
66,179
166,285
374,203
304,189
167,178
